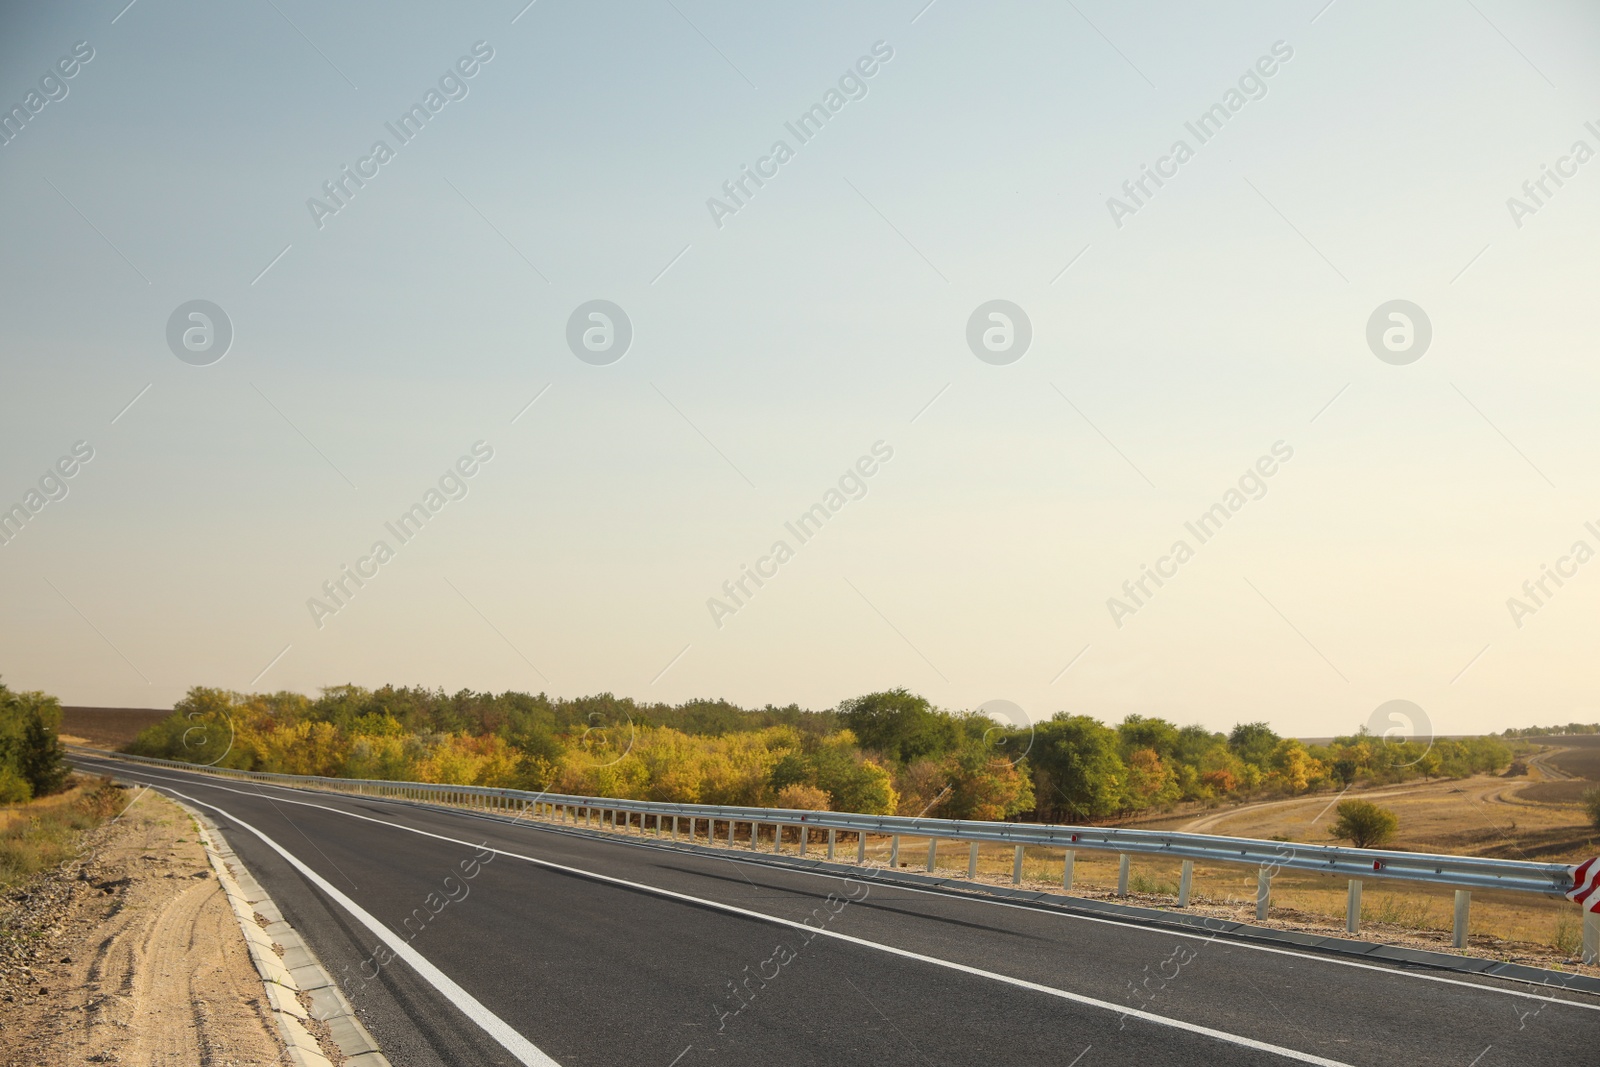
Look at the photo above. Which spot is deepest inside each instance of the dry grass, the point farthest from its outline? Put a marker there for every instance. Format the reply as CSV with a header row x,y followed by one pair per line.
x,y
42,833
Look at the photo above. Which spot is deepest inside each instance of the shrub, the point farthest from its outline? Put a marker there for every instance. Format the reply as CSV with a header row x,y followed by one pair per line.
x,y
29,747
14,789
1364,824
47,832
1591,804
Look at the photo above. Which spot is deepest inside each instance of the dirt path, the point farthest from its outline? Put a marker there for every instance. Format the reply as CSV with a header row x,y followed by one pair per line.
x,y
1483,816
130,955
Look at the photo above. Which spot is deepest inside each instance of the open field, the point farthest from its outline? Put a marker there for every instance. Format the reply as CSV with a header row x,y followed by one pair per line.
x,y
107,727
1580,755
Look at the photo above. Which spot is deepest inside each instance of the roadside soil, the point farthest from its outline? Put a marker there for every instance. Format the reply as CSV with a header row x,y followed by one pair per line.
x,y
129,954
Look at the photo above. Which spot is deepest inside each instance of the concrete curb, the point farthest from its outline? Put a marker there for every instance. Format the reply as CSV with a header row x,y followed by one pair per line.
x,y
297,972
1338,946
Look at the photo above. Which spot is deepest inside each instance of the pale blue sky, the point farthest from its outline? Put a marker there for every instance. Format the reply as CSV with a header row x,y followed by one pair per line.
x,y
775,350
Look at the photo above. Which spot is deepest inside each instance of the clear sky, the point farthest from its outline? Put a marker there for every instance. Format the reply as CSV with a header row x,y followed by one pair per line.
x,y
1358,153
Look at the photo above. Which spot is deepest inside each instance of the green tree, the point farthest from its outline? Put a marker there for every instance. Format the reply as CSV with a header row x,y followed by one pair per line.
x,y
901,725
1253,742
1364,824
1077,773
30,747
1158,735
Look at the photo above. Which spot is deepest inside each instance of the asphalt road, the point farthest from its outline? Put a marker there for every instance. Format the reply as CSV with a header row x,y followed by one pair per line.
x,y
468,940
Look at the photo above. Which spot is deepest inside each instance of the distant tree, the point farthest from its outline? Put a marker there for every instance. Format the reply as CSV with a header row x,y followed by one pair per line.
x,y
1158,735
798,797
1364,824
901,725
1591,804
1077,773
1345,770
1253,742
983,786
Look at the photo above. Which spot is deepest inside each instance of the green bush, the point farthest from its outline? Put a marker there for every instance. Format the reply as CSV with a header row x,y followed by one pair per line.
x,y
30,750
1591,804
14,789
1364,824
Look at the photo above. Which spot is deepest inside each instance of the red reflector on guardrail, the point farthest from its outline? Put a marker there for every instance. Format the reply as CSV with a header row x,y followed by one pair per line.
x,y
1585,891
1377,865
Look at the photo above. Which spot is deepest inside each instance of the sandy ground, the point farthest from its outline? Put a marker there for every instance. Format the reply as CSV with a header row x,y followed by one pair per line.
x,y
129,954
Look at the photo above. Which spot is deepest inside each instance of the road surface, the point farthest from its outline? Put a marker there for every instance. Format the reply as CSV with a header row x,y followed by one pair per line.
x,y
464,939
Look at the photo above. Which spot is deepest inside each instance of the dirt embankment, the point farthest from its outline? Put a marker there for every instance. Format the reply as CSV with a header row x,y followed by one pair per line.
x,y
129,954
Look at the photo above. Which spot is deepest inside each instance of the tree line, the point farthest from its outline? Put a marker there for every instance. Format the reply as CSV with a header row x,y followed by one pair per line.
x,y
889,752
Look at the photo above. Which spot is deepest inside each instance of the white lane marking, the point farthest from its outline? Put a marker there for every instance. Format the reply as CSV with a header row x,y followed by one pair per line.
x,y
524,1050
1123,924
529,1054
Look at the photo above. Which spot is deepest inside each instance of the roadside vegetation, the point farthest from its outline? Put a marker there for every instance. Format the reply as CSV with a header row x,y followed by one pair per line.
x,y
883,753
43,809
40,834
32,763
1364,824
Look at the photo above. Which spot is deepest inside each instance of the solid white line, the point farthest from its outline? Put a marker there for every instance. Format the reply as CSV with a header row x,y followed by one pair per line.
x,y
1125,924
524,1050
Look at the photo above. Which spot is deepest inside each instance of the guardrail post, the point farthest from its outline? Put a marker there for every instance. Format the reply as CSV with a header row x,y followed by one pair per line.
x,y
1122,875
674,827
933,851
832,834
1066,870
1263,891
972,860
1463,914
1185,883
861,847
777,837
805,835
1352,908
894,851
1016,867
730,833
1591,937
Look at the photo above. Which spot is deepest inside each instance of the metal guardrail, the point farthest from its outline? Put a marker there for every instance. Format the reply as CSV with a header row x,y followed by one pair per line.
x,y
1462,873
